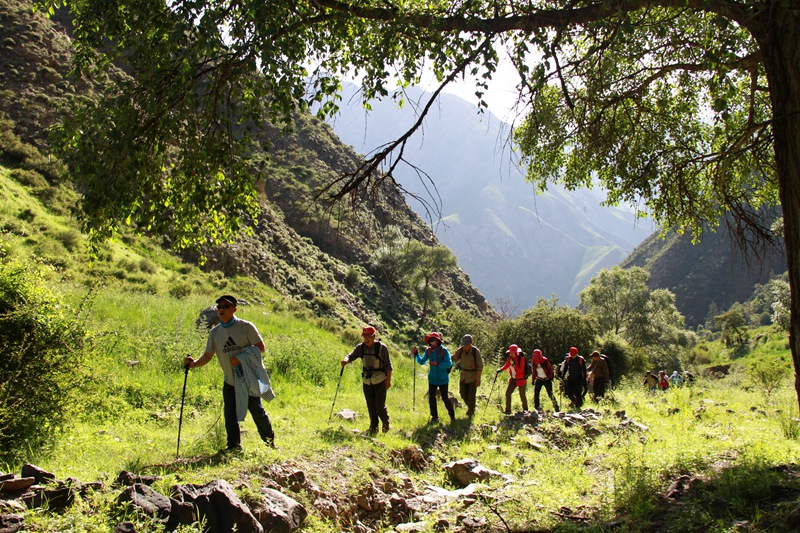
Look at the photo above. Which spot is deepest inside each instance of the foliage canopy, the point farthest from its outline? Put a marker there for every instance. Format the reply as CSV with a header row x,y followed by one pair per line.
x,y
688,107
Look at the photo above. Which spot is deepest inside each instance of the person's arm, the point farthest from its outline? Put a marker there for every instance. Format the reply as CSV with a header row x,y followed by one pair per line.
x,y
200,361
352,356
387,365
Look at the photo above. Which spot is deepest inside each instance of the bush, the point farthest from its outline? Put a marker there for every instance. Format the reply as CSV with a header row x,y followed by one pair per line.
x,y
40,339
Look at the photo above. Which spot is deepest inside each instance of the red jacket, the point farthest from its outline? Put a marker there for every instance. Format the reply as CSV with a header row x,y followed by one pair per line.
x,y
516,369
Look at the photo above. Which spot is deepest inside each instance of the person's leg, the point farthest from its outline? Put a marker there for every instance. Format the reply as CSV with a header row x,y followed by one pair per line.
x,y
469,392
448,404
229,412
432,402
380,405
548,385
261,418
522,396
537,388
372,409
509,391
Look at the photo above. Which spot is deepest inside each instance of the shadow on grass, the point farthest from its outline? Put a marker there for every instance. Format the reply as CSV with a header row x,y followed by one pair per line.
x,y
748,496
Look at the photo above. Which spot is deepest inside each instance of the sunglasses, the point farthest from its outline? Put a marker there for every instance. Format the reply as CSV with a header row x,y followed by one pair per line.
x,y
224,306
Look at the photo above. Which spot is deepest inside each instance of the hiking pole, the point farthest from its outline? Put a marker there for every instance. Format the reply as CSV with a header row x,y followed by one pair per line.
x,y
414,380
336,393
180,418
491,390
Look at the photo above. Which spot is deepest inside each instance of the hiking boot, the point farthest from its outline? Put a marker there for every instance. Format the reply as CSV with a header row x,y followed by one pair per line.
x,y
386,428
233,449
372,430
506,412
270,443
452,419
434,420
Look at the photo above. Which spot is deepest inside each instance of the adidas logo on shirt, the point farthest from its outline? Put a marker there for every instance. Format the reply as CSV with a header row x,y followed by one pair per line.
x,y
230,346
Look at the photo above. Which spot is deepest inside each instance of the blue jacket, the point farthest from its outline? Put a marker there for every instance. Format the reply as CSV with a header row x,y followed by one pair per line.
x,y
437,375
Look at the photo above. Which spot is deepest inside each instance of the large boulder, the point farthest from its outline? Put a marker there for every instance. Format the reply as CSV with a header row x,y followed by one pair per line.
x,y
280,513
220,507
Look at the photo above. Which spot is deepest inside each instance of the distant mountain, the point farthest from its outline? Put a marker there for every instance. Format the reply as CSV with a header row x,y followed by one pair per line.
x,y
714,273
513,243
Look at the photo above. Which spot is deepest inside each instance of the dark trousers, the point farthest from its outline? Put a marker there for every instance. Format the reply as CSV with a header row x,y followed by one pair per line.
x,y
469,393
599,388
537,388
512,384
573,388
445,398
376,404
260,417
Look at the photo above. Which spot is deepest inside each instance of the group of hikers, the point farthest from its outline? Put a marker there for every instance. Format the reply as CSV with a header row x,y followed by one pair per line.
x,y
239,346
663,382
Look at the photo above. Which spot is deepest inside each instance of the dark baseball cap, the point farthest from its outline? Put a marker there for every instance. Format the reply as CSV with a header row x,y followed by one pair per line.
x,y
227,298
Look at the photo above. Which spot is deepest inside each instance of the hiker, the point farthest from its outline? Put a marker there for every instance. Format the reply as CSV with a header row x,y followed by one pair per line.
x,y
676,380
598,375
376,376
515,364
439,365
238,346
542,377
663,382
688,377
471,366
650,381
575,384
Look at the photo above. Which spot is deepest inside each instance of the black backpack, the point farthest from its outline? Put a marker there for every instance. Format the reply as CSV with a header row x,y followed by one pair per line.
x,y
528,367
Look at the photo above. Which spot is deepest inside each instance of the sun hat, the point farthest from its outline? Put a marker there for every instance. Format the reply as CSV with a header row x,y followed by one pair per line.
x,y
433,335
466,339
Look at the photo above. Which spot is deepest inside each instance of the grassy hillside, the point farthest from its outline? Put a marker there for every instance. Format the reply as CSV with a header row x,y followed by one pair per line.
x,y
714,456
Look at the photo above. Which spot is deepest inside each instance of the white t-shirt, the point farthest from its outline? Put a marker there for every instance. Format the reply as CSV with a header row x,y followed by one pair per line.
x,y
227,342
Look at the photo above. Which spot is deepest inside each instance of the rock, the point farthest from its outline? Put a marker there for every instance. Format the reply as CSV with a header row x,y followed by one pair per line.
x,y
152,503
11,506
16,484
41,475
125,527
468,471
471,523
347,414
11,523
410,527
220,507
279,513
128,478
326,508
56,500
207,318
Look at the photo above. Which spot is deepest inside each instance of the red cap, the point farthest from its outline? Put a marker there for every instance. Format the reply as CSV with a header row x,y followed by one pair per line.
x,y
573,351
368,331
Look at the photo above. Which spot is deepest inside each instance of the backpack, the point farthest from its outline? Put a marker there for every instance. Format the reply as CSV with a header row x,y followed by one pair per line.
x,y
605,358
528,367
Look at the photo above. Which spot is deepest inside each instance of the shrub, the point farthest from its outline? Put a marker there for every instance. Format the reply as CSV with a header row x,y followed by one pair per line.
x,y
40,339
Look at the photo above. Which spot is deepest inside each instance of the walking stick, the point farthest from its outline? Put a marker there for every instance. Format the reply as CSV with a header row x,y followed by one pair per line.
x,y
336,393
491,390
180,418
414,380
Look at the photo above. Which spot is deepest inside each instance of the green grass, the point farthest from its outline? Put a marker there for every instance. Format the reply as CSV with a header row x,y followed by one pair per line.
x,y
141,307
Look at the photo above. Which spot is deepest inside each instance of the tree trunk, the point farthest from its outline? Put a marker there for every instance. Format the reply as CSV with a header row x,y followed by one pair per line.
x,y
780,46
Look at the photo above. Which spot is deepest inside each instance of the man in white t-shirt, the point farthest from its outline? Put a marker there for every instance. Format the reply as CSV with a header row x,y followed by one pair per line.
x,y
226,340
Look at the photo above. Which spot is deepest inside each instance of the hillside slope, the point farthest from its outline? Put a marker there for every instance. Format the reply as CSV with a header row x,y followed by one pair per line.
x,y
713,273
298,247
